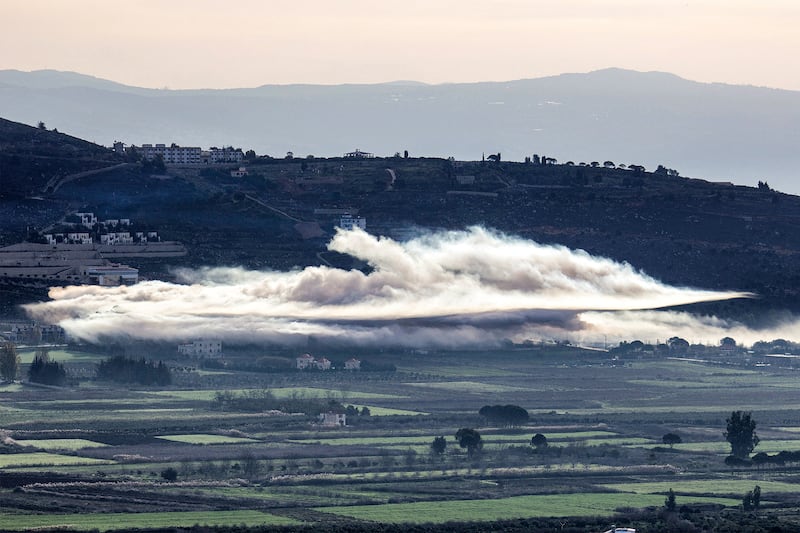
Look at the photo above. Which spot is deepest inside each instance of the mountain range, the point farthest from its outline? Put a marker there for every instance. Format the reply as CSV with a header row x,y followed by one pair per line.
x,y
741,134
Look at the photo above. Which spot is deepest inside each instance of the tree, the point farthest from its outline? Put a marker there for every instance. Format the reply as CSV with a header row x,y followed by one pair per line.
x,y
439,445
169,474
365,411
756,498
509,415
669,503
747,500
9,362
42,126
469,439
677,344
741,434
671,439
539,441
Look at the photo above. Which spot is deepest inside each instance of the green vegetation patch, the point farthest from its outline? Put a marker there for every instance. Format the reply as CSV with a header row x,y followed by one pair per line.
x,y
62,356
204,438
375,410
46,459
724,447
111,521
61,444
551,505
706,486
281,392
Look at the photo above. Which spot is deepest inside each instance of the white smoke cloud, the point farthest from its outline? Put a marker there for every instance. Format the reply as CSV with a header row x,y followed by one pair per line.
x,y
458,288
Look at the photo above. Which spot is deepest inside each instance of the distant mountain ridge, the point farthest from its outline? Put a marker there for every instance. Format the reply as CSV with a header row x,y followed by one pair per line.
x,y
716,131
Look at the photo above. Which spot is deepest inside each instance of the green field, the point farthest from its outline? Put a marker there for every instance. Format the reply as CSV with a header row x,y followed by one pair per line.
x,y
551,505
112,521
61,444
206,439
707,486
46,459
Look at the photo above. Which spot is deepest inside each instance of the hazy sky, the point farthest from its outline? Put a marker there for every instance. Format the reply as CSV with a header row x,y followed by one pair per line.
x,y
246,43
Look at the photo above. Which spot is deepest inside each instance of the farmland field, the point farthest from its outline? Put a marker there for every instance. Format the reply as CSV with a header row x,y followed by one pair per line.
x,y
177,455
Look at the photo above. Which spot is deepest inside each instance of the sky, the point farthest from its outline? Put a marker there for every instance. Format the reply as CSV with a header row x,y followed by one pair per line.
x,y
182,44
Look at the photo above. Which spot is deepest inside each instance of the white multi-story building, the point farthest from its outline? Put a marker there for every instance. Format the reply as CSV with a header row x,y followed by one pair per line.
x,y
201,348
225,155
173,154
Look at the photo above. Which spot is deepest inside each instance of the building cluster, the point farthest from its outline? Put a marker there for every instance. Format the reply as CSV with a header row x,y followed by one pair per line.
x,y
348,222
184,155
109,231
308,361
201,348
36,264
23,332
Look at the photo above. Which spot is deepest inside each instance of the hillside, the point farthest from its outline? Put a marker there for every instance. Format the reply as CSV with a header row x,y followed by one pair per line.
x,y
32,159
724,132
683,231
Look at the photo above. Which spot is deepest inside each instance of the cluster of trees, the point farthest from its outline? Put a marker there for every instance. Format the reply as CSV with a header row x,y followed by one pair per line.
x,y
126,370
352,410
45,371
256,401
505,415
470,439
9,362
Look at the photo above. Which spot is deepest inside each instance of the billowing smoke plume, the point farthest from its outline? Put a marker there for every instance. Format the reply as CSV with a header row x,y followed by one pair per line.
x,y
457,288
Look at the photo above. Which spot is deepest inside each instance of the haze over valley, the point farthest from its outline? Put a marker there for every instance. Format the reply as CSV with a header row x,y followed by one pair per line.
x,y
742,134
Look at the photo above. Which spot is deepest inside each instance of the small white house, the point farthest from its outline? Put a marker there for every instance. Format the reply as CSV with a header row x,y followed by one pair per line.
x,y
305,361
240,173
352,364
333,419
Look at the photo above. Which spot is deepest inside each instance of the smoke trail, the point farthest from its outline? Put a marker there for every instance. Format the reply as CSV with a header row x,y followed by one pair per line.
x,y
440,289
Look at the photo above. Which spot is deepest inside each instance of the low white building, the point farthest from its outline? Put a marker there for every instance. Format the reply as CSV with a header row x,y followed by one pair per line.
x,y
306,361
87,219
79,238
352,364
112,275
116,237
240,173
349,222
333,419
201,348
